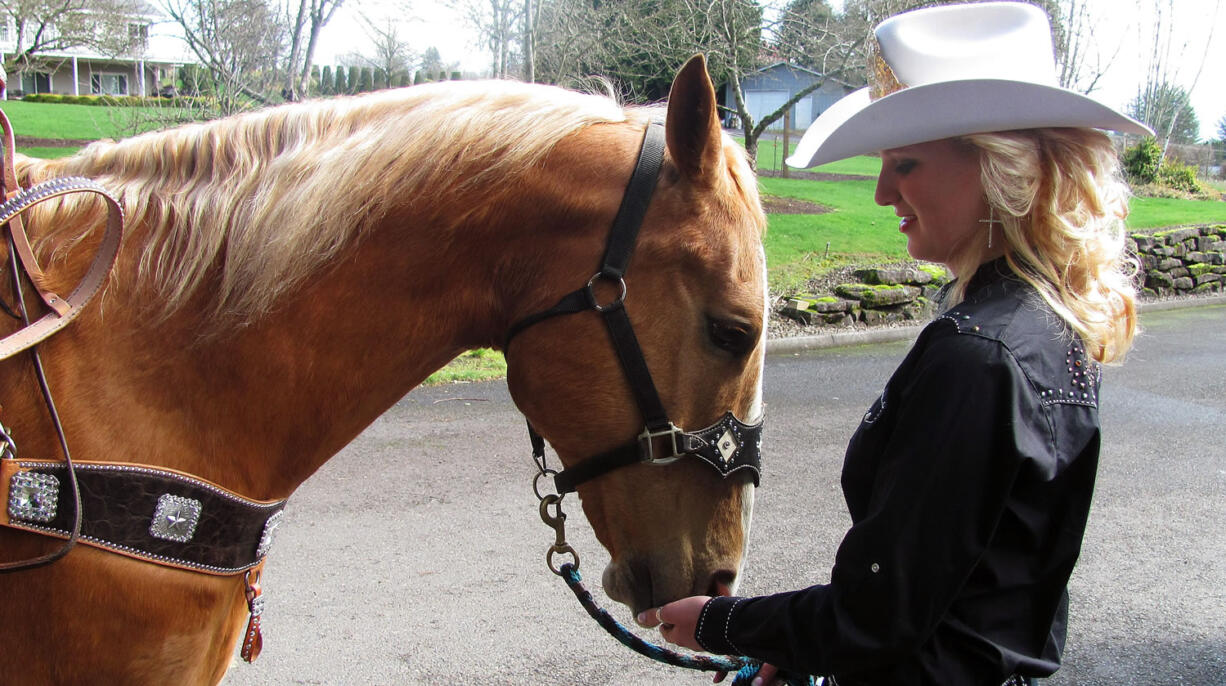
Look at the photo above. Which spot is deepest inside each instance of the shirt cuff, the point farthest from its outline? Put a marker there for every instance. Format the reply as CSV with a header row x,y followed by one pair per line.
x,y
712,630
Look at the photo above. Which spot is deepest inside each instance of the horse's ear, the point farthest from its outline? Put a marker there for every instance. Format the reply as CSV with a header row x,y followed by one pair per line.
x,y
693,130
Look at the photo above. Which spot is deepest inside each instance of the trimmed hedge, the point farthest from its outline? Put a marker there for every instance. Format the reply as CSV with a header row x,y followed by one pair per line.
x,y
117,100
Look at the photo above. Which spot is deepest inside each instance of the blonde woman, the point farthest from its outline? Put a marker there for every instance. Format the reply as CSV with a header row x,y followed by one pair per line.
x,y
969,480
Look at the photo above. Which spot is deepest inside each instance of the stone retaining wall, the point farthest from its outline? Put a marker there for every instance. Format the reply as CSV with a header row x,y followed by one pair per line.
x,y
1189,260
883,295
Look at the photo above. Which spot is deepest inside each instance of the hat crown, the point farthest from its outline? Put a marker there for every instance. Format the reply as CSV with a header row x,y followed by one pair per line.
x,y
950,71
991,40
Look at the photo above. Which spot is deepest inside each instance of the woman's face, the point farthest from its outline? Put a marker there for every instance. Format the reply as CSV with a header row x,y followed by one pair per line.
x,y
937,193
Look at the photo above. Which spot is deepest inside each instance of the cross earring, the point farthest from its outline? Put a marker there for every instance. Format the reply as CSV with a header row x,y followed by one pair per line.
x,y
990,221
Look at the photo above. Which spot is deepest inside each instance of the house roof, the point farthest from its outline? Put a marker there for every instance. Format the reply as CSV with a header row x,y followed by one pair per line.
x,y
792,66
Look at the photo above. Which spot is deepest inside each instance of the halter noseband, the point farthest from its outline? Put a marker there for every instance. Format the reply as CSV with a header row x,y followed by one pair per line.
x,y
729,445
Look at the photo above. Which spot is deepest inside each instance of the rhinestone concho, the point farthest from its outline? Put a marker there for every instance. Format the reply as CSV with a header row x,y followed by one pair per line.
x,y
175,518
33,497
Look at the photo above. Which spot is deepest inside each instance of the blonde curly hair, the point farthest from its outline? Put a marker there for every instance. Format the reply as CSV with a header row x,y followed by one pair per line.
x,y
1062,202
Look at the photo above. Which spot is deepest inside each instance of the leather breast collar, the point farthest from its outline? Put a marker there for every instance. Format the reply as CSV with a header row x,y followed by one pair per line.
x,y
148,513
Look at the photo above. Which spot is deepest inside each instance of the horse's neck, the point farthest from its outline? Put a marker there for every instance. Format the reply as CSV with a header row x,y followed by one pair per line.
x,y
258,408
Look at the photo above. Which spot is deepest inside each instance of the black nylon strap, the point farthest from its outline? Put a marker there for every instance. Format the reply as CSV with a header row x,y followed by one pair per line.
x,y
727,446
634,203
635,366
571,303
567,480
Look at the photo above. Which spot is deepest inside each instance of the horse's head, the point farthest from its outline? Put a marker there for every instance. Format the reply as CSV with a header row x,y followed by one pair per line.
x,y
695,296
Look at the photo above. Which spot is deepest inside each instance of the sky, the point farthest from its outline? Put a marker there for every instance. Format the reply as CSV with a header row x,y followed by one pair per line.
x,y
1124,31
426,24
1199,31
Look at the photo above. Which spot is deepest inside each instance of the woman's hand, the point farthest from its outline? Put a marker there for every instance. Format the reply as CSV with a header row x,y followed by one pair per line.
x,y
677,620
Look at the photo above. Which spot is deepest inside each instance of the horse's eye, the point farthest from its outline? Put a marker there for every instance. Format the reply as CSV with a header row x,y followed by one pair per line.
x,y
734,337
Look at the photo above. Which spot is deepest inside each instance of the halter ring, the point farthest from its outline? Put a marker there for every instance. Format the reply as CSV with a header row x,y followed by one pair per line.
x,y
591,293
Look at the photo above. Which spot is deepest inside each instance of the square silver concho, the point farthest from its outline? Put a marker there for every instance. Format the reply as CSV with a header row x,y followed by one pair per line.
x,y
175,518
33,497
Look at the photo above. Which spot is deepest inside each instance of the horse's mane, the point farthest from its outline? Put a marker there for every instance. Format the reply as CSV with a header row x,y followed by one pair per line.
x,y
273,195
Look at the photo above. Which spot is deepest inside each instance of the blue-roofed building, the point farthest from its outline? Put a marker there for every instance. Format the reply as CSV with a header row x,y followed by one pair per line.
x,y
769,87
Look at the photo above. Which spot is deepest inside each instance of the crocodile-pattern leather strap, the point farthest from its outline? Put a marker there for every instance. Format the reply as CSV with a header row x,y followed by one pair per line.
x,y
149,513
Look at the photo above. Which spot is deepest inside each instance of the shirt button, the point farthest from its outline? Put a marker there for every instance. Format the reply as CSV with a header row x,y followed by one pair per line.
x,y
875,568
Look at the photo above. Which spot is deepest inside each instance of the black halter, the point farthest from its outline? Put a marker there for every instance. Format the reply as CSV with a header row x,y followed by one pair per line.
x,y
729,445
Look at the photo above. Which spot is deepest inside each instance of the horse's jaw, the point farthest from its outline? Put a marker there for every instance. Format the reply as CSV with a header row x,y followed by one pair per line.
x,y
646,581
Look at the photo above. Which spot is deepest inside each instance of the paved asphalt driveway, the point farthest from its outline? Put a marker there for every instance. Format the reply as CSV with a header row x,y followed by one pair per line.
x,y
416,556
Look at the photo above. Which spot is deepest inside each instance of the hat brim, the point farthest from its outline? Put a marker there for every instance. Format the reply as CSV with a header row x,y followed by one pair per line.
x,y
857,125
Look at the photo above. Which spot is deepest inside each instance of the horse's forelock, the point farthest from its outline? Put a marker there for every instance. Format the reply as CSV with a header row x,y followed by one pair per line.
x,y
275,194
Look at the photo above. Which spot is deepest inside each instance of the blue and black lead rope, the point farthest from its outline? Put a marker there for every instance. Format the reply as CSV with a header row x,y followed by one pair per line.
x,y
744,668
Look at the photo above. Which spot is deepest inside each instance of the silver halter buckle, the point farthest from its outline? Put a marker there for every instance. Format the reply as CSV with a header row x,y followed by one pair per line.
x,y
647,441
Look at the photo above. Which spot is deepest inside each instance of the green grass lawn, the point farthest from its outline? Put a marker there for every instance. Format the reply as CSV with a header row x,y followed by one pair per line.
x,y
48,153
1154,213
86,122
474,365
770,157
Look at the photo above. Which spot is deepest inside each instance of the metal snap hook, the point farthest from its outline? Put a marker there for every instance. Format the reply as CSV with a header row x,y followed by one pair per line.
x,y
557,521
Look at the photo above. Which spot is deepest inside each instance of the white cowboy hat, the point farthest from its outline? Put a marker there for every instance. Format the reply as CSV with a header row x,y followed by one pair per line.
x,y
951,71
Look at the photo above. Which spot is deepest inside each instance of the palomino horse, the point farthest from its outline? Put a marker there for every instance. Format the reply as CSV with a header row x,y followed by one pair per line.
x,y
288,275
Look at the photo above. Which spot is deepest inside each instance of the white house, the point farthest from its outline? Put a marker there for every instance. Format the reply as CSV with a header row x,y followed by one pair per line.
x,y
145,70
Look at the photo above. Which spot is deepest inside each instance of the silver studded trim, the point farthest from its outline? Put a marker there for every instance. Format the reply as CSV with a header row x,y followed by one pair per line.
x,y
270,530
175,518
33,497
257,606
36,194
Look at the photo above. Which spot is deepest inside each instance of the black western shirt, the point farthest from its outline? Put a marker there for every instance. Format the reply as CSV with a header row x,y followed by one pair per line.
x,y
968,483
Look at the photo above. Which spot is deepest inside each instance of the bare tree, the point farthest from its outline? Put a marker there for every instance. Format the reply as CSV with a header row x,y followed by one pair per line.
x,y
834,45
237,41
499,23
1166,52
1080,54
308,19
392,53
639,44
531,18
567,33
45,26
1168,110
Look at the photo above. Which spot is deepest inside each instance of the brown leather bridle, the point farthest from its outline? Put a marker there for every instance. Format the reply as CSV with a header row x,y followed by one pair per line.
x,y
61,311
247,525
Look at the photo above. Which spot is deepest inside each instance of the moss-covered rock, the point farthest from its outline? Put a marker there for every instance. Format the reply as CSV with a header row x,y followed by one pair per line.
x,y
1158,280
1196,270
893,276
940,275
1176,236
852,291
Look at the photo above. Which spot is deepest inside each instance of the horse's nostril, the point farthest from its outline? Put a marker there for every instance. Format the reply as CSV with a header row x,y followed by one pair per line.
x,y
721,582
